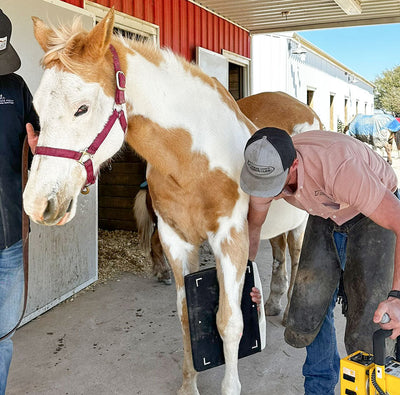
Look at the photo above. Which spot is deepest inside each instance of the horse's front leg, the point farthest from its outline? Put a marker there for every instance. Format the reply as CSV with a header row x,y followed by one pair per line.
x,y
279,277
184,259
231,254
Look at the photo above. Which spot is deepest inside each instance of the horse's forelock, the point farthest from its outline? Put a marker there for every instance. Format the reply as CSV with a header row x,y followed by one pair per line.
x,y
60,41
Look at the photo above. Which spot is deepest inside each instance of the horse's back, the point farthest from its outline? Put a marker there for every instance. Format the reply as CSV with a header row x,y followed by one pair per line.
x,y
278,109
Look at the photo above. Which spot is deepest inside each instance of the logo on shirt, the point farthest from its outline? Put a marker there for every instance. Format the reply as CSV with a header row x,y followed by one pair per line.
x,y
4,100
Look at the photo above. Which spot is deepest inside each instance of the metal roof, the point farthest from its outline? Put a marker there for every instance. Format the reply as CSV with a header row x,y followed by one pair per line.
x,y
263,16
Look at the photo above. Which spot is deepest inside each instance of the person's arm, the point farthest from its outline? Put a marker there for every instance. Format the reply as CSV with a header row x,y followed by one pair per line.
x,y
258,210
387,215
33,137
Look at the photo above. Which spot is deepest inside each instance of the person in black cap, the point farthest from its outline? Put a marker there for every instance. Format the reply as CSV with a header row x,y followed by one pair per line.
x,y
351,240
16,115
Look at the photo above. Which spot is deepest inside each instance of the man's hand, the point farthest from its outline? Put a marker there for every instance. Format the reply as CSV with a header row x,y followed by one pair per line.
x,y
391,307
33,137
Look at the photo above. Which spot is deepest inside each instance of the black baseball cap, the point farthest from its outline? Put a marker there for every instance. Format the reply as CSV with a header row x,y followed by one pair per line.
x,y
9,59
268,155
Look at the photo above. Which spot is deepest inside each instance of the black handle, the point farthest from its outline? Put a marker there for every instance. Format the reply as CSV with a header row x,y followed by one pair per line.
x,y
379,345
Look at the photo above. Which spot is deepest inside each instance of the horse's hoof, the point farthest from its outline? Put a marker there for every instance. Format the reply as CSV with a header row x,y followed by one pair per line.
x,y
167,280
271,310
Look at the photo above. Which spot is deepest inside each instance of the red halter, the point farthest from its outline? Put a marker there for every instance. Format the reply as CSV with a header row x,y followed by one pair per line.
x,y
85,157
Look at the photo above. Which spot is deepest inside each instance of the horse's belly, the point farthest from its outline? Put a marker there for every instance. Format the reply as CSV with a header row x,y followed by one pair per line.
x,y
281,218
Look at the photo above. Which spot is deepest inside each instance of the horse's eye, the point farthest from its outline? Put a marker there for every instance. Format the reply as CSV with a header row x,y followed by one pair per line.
x,y
81,110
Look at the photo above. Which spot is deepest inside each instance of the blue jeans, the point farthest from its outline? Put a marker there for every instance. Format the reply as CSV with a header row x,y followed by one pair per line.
x,y
11,292
322,365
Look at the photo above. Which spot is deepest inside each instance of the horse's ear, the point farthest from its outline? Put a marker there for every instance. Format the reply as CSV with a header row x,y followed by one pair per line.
x,y
99,38
42,32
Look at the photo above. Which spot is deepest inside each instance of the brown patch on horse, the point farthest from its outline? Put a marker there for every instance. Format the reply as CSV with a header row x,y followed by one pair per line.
x,y
236,246
183,188
268,108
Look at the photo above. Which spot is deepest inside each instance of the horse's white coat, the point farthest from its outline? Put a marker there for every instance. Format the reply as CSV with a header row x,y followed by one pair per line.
x,y
304,127
281,218
59,96
223,145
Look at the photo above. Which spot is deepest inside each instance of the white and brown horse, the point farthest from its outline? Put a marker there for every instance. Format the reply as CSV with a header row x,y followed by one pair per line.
x,y
276,109
188,128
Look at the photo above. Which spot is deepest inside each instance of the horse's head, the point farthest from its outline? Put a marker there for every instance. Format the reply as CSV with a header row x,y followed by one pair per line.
x,y
74,101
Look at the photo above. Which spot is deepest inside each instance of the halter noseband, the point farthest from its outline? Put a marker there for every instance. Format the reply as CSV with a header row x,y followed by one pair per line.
x,y
85,157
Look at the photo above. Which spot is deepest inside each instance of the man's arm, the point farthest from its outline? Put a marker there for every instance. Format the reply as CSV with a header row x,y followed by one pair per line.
x,y
258,210
387,215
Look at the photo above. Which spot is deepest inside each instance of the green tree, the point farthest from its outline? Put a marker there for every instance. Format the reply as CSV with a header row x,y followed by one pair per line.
x,y
387,97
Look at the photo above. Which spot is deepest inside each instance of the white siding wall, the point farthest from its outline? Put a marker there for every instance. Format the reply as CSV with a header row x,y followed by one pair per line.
x,y
62,260
276,68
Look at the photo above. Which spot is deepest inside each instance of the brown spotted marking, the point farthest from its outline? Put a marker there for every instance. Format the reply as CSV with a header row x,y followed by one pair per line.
x,y
277,115
181,181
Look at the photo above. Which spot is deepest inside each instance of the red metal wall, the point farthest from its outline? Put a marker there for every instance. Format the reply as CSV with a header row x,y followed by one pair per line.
x,y
184,25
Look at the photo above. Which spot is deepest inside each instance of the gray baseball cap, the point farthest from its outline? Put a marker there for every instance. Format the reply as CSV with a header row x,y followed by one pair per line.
x,y
268,155
9,59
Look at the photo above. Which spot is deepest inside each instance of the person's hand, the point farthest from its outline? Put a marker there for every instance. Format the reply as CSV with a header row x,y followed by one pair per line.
x,y
391,307
256,297
33,137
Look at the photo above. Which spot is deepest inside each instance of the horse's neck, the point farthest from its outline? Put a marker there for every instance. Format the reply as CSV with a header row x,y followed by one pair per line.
x,y
176,109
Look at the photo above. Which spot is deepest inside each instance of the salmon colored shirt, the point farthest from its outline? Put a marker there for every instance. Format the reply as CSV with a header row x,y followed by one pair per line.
x,y
338,177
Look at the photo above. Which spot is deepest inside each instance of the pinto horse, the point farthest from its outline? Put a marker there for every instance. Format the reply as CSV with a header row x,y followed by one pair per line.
x,y
276,109
96,90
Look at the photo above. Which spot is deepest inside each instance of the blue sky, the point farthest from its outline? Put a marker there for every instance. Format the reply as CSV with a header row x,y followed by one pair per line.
x,y
368,50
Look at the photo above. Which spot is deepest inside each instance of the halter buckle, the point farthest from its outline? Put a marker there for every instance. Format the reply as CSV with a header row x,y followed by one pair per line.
x,y
120,82
85,156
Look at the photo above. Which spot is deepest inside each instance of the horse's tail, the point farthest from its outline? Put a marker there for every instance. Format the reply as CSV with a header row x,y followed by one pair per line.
x,y
144,220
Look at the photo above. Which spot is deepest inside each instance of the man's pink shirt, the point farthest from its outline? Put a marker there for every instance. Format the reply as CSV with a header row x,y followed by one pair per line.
x,y
338,177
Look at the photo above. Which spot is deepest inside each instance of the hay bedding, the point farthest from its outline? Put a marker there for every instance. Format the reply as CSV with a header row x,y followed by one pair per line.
x,y
119,252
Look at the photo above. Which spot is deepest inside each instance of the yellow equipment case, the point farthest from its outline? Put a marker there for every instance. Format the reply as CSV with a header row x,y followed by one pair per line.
x,y
371,374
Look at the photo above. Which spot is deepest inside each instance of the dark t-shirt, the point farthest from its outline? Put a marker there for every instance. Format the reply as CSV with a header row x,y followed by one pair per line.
x,y
16,110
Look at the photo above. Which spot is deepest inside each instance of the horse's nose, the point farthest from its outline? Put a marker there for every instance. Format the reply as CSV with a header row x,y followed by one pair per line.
x,y
48,213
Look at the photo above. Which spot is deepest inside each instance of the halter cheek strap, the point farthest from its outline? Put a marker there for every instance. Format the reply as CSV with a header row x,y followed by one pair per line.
x,y
85,156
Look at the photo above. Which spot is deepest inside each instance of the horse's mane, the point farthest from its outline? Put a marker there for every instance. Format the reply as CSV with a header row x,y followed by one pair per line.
x,y
60,49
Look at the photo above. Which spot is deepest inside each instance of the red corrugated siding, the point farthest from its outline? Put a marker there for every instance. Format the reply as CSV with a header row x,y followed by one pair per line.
x,y
184,25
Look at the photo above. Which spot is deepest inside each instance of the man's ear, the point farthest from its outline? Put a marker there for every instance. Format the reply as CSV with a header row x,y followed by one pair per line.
x,y
295,164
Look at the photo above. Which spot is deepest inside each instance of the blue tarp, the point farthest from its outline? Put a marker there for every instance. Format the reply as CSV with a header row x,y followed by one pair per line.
x,y
373,129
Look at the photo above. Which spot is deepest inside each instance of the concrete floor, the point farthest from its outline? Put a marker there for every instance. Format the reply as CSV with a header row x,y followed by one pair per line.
x,y
123,337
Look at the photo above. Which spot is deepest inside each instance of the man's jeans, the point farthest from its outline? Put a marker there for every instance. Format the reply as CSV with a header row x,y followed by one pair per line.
x,y
11,291
365,251
321,368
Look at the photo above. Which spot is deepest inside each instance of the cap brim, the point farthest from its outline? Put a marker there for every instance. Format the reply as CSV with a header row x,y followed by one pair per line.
x,y
261,186
9,61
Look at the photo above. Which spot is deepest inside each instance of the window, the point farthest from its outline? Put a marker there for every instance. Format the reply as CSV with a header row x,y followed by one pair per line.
x,y
239,74
310,98
130,26
331,112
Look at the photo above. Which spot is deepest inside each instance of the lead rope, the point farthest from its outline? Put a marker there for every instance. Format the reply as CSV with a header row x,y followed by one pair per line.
x,y
25,235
